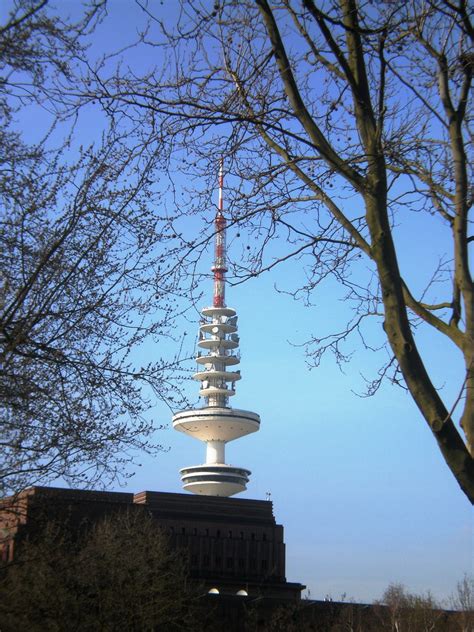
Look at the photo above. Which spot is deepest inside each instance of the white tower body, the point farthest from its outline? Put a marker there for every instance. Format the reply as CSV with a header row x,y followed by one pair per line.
x,y
217,423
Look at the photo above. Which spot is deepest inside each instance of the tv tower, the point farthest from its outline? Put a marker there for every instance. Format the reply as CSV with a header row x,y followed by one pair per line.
x,y
216,423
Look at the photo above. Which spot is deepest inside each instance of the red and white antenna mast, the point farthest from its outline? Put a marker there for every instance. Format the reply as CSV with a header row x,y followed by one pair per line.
x,y
220,268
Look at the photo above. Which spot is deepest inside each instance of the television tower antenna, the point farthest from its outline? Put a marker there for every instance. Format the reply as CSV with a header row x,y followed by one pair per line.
x,y
220,256
216,423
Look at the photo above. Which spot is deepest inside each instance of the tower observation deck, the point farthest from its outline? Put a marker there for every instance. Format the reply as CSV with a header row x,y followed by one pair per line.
x,y
216,423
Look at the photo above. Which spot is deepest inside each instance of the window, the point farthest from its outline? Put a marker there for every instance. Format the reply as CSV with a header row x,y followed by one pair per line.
x,y
230,562
241,562
264,565
218,560
205,560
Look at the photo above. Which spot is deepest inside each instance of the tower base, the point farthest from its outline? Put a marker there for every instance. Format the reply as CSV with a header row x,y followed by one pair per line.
x,y
214,479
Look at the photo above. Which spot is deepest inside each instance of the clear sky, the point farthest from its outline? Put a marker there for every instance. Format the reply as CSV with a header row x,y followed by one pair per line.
x,y
359,484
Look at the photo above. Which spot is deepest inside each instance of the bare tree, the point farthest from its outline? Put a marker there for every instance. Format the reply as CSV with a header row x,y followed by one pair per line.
x,y
394,599
84,282
409,612
121,573
336,119
463,602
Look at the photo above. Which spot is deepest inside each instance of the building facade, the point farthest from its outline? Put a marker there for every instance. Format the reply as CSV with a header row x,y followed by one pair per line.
x,y
233,546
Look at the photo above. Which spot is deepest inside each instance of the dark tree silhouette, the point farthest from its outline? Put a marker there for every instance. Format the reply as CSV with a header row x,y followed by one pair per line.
x,y
83,284
119,574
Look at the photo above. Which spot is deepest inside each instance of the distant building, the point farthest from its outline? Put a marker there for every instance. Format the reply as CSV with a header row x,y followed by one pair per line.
x,y
234,547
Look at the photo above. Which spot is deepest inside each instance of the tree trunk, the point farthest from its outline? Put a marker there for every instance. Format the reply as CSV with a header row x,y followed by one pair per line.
x,y
397,328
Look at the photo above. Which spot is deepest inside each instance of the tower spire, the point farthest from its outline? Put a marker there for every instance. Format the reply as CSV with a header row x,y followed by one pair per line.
x,y
220,257
216,423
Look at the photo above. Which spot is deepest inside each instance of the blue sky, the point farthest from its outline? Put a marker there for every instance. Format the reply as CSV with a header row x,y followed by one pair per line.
x,y
359,484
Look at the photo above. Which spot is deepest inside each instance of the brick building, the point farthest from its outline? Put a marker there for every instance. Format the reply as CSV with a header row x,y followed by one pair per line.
x,y
234,546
